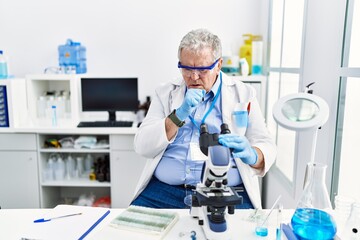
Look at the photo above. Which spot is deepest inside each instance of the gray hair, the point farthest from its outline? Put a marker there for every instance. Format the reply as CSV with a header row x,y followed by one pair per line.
x,y
197,40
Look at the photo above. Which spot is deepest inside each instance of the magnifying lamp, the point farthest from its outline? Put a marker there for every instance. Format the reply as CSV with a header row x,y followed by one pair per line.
x,y
302,112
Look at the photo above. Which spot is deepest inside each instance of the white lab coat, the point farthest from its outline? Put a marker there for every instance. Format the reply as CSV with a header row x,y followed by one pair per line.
x,y
151,141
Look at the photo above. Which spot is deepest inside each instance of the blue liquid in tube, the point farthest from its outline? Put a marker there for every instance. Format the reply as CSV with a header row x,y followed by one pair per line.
x,y
241,119
261,231
313,224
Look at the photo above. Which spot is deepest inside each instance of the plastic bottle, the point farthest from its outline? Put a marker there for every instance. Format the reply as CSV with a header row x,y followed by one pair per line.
x,y
50,101
244,67
60,106
257,55
72,54
41,107
89,160
3,66
70,167
230,65
49,170
246,50
59,169
66,97
79,167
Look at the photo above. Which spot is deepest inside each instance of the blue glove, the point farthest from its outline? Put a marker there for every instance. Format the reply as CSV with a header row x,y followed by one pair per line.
x,y
241,147
192,98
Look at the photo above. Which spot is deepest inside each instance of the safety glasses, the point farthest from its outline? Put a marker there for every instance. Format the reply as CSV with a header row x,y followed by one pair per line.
x,y
200,71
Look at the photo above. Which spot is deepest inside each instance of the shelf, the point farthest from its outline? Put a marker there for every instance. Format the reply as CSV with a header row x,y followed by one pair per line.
x,y
75,183
74,150
251,78
37,85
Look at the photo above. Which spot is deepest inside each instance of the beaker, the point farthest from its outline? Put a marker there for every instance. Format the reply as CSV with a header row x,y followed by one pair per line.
x,y
312,218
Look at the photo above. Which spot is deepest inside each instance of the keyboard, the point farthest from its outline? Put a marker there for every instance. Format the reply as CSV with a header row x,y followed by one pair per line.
x,y
106,124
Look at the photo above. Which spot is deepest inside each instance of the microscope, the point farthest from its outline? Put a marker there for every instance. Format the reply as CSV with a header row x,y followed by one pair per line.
x,y
212,196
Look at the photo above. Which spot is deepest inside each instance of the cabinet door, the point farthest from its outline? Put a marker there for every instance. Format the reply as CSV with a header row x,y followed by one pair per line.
x,y
19,186
17,141
126,168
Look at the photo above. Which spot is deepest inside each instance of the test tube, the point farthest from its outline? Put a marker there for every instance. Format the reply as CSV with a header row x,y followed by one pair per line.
x,y
261,228
53,117
279,222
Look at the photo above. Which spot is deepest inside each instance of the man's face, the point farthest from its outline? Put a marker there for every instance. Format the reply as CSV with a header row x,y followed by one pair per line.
x,y
202,79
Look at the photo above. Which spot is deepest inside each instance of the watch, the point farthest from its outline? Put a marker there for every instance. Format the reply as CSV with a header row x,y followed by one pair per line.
x,y
175,119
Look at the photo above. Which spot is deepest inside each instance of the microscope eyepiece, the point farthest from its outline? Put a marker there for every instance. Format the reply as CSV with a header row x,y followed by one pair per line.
x,y
203,128
224,129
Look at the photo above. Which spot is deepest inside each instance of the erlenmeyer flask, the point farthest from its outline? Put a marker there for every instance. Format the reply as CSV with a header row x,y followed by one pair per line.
x,y
312,219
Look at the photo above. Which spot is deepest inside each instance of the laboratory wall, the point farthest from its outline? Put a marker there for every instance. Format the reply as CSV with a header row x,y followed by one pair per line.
x,y
123,38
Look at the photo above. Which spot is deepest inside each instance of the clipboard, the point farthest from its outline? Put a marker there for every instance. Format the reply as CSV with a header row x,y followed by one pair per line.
x,y
74,227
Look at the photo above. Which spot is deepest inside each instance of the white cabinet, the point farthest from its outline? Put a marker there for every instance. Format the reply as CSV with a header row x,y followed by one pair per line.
x,y
23,160
19,186
126,169
38,85
67,190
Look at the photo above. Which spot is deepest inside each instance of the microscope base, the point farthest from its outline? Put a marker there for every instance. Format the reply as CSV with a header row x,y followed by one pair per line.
x,y
211,210
212,231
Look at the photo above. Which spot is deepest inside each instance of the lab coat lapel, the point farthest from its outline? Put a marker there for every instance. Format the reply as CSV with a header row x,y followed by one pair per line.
x,y
177,96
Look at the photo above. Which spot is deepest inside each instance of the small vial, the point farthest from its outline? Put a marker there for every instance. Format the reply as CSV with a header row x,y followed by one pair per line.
x,y
53,116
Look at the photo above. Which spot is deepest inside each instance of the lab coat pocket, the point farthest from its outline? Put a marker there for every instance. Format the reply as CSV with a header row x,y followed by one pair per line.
x,y
240,117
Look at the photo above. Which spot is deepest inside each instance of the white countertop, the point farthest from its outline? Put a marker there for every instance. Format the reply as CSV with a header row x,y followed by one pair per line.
x,y
70,129
15,222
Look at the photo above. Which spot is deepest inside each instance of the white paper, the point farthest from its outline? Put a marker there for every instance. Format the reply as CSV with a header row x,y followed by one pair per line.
x,y
65,228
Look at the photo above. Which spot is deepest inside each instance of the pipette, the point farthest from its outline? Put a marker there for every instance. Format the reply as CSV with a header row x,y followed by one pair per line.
x,y
260,230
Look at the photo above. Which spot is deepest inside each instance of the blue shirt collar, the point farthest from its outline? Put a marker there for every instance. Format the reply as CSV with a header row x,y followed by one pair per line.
x,y
211,94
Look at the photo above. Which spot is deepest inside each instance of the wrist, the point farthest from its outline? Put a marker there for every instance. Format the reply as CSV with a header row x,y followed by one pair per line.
x,y
175,119
256,156
180,114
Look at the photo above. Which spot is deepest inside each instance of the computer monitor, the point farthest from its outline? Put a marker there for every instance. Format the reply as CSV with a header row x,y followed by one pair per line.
x,y
109,94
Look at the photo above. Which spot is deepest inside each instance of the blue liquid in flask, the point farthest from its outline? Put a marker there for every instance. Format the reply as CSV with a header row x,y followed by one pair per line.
x,y
313,224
